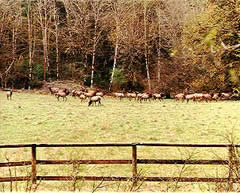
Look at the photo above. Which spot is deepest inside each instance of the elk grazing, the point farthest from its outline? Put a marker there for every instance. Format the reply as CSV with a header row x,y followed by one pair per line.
x,y
145,97
82,97
215,96
118,95
90,93
101,94
206,97
226,96
131,96
9,94
62,93
180,96
95,99
76,93
53,90
189,97
157,96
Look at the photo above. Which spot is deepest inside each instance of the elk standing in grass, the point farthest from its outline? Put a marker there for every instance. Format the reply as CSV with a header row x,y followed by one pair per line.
x,y
90,93
101,94
118,95
62,93
145,97
53,90
179,97
9,95
95,99
157,96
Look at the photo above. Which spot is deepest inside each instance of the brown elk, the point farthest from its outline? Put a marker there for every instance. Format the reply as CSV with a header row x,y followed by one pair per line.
x,y
157,96
101,94
216,96
118,95
206,97
131,96
189,97
53,90
90,93
180,96
82,97
145,97
226,96
76,93
95,99
62,93
9,94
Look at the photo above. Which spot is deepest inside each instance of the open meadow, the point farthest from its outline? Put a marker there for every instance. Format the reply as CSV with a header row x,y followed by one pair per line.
x,y
35,118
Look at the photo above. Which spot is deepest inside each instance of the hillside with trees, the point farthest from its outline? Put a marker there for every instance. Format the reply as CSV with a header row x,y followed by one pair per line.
x,y
152,45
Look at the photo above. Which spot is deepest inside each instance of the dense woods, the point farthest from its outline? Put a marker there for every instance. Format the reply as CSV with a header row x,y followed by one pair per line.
x,y
152,45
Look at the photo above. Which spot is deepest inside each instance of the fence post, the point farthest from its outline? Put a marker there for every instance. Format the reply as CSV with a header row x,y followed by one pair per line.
x,y
230,166
134,164
34,164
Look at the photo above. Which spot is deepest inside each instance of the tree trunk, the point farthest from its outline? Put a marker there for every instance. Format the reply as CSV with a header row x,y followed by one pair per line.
x,y
56,18
146,46
93,54
114,62
44,26
30,43
159,54
93,63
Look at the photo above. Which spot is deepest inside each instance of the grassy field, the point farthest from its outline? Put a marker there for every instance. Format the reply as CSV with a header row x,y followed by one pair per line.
x,y
34,118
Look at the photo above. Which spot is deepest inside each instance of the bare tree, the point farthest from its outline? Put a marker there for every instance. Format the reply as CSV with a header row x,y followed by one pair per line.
x,y
45,8
145,19
97,8
11,22
31,39
118,9
56,22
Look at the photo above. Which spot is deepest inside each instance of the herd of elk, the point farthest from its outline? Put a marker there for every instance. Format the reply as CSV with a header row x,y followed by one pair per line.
x,y
95,96
138,96
203,97
92,95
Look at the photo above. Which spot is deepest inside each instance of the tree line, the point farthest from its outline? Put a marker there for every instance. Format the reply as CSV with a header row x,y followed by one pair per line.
x,y
153,45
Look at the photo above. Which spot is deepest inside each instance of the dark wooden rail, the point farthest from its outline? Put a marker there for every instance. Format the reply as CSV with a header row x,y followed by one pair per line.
x,y
134,162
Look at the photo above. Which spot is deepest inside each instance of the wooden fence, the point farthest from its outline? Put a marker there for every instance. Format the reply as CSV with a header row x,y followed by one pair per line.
x,y
134,162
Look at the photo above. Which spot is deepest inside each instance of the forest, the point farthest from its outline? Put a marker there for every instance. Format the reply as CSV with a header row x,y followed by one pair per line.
x,y
129,45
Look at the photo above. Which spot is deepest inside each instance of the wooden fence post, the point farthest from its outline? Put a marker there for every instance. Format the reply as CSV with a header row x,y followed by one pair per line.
x,y
230,166
34,164
134,164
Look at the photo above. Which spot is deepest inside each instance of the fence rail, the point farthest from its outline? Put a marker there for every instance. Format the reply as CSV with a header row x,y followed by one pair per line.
x,y
134,162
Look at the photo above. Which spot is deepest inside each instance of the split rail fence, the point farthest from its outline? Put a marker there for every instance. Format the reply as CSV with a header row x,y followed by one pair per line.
x,y
134,162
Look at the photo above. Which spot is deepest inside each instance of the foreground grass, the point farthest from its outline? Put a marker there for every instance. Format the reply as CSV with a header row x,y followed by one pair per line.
x,y
33,118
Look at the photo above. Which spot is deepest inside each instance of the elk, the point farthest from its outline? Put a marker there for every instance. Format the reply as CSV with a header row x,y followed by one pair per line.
x,y
180,96
131,96
90,93
215,96
9,94
206,97
62,93
190,97
118,95
95,99
226,96
53,90
101,94
145,97
82,97
76,93
157,96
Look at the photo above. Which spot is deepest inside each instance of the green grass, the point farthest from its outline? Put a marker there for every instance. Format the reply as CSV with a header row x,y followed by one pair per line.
x,y
33,118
